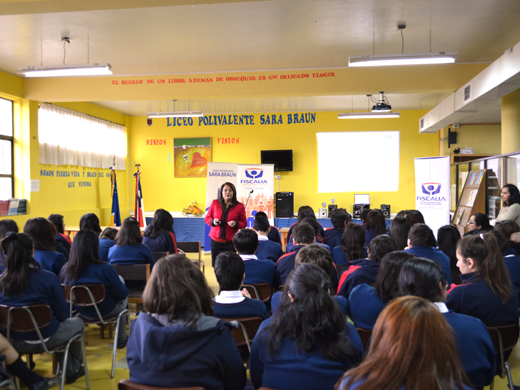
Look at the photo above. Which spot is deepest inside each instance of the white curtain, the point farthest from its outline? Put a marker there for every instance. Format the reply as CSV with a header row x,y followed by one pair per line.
x,y
69,137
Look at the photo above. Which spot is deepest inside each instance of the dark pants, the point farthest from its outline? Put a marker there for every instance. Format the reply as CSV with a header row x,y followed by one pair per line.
x,y
219,247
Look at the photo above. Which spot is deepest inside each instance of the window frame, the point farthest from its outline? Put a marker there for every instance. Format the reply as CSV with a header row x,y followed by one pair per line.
x,y
11,140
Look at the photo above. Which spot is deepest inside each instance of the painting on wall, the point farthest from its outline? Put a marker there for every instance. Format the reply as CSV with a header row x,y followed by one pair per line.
x,y
191,156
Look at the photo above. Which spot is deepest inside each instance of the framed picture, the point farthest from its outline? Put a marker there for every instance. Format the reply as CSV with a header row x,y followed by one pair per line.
x,y
191,156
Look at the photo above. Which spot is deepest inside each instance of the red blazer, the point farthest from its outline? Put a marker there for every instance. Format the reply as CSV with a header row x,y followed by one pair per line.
x,y
236,213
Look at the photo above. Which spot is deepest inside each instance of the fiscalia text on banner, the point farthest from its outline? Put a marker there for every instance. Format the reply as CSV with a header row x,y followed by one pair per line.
x,y
255,190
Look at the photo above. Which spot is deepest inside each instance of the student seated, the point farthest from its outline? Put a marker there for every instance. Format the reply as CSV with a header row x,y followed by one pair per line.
x,y
59,224
267,249
159,235
399,229
304,212
6,225
24,283
85,267
424,278
478,223
318,236
257,270
90,221
274,233
40,231
340,219
375,225
319,256
486,292
447,238
307,344
176,326
232,302
365,270
352,245
421,243
511,258
412,348
303,235
106,241
366,302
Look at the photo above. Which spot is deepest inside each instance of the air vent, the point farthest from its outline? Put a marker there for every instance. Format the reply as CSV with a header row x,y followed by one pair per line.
x,y
467,92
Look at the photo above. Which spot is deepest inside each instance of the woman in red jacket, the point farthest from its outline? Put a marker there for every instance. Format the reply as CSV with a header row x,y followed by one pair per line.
x,y
226,216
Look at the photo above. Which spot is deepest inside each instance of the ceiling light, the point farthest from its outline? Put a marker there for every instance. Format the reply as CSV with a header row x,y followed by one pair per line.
x,y
402,59
369,115
66,70
175,114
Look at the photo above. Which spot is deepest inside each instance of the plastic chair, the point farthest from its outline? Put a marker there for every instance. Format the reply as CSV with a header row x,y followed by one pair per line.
x,y
8,385
125,384
32,318
365,335
193,247
138,272
260,291
504,338
88,295
245,332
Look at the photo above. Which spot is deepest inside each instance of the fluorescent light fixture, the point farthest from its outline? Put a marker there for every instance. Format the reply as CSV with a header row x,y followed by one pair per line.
x,y
175,114
369,115
402,59
66,70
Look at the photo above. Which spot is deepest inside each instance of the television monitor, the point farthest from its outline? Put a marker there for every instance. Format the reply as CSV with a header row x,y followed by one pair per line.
x,y
361,199
282,159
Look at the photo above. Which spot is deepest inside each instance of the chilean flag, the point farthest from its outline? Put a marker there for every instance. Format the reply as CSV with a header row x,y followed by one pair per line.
x,y
115,219
139,207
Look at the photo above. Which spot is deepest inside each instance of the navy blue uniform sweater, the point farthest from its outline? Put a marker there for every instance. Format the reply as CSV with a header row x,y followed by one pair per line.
x,y
333,237
259,271
360,271
275,302
269,250
247,308
164,242
435,255
50,261
513,265
285,265
274,235
104,245
364,306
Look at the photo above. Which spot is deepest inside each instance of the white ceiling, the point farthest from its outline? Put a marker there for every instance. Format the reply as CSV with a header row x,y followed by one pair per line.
x,y
169,37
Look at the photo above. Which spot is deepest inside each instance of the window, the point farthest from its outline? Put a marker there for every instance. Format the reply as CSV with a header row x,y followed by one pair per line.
x,y
6,150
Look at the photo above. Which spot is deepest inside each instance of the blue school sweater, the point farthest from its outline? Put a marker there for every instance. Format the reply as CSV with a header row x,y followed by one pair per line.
x,y
274,235
285,265
104,245
247,308
50,261
43,288
275,302
289,369
356,384
333,237
364,306
258,271
340,258
475,298
130,254
105,274
269,250
164,242
435,255
290,246
513,265
360,271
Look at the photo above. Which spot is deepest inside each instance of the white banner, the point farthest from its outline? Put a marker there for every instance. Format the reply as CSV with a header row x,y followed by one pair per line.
x,y
257,183
432,190
218,174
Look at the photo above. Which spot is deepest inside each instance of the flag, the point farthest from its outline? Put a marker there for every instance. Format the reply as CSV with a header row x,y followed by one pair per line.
x,y
139,206
115,219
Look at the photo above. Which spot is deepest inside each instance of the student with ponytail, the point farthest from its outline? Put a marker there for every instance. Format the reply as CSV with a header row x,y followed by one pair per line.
x,y
486,292
306,344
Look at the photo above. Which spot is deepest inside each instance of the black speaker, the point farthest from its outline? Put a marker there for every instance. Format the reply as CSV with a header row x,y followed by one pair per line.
x,y
356,212
284,204
385,208
332,208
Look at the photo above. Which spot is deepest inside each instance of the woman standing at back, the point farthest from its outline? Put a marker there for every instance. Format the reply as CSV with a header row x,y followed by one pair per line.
x,y
159,236
510,210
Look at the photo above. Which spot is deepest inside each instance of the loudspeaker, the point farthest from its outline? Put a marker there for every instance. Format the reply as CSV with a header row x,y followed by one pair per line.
x,y
332,208
385,208
356,212
284,204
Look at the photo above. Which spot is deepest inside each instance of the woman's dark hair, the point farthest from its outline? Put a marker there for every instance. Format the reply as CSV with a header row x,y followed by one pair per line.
x,y
315,225
7,225
447,238
376,221
90,221
353,242
305,212
57,221
109,233
379,247
483,221
18,249
313,320
234,200
514,195
491,266
506,228
177,287
422,278
386,281
84,249
41,232
129,233
162,221
412,346
414,216
399,229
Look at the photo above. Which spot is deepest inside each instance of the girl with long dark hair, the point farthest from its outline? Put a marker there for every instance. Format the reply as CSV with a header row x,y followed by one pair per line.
x,y
58,222
129,248
399,228
85,267
375,225
159,235
306,344
106,241
90,221
510,204
447,238
352,245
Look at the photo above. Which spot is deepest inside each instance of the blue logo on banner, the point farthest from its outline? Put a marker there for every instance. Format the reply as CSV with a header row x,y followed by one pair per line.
x,y
431,188
254,173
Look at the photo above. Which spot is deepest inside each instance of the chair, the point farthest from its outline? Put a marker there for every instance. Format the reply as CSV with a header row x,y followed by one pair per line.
x,y
7,385
158,255
260,291
245,333
193,247
32,318
88,295
365,335
125,384
138,272
504,338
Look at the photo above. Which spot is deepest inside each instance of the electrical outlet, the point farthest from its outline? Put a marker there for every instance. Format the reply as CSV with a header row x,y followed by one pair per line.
x,y
277,176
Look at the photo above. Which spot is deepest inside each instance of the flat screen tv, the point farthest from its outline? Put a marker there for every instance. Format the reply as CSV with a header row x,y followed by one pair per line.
x,y
282,159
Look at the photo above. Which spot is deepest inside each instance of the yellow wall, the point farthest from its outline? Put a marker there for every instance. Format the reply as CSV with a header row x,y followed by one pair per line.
x,y
484,139
511,122
162,190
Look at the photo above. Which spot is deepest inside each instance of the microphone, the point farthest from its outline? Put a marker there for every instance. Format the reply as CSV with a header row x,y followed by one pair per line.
x,y
248,196
333,200
324,205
